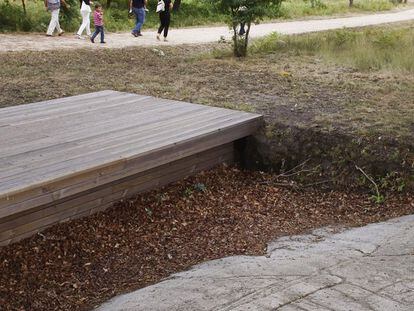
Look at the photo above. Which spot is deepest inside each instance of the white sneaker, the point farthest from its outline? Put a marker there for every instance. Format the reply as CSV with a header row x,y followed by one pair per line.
x,y
165,40
80,37
158,37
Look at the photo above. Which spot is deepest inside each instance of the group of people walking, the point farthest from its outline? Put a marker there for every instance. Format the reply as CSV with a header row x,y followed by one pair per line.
x,y
136,7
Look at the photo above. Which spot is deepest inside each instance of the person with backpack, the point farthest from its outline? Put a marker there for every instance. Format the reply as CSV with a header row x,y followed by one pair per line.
x,y
54,7
138,8
164,8
85,10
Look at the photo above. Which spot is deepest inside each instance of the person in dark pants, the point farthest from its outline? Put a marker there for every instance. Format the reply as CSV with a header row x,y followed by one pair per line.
x,y
165,18
138,8
242,12
242,31
99,24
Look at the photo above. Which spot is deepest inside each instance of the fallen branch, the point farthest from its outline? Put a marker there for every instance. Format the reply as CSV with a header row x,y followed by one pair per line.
x,y
317,183
298,169
286,174
378,194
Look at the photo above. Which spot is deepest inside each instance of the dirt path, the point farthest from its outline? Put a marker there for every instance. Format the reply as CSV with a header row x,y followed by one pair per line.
x,y
39,42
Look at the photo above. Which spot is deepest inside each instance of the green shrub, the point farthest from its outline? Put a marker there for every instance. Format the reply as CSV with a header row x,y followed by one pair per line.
x,y
12,17
70,18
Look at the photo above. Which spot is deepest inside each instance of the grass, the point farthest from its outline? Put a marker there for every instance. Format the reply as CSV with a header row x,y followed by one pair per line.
x,y
339,80
297,9
372,53
311,94
381,48
192,13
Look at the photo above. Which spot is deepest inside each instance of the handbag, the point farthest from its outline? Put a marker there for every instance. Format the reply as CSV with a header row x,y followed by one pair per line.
x,y
160,6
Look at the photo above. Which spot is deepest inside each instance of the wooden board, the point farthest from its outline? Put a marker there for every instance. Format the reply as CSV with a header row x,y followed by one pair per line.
x,y
61,150
18,226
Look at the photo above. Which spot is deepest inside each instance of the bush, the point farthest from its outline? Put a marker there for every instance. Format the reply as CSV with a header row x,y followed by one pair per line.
x,y
13,18
70,18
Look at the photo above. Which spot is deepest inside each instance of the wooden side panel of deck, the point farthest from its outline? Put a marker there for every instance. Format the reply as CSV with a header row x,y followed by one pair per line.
x,y
56,154
18,226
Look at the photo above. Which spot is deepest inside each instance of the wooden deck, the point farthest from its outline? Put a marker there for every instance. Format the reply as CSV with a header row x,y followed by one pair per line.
x,y
66,158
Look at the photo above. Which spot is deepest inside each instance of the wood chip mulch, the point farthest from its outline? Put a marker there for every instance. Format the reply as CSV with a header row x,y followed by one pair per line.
x,y
79,264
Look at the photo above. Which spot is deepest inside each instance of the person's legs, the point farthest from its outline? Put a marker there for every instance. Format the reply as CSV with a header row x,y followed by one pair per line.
x,y
54,21
167,24
162,24
143,14
140,19
88,24
59,30
85,22
83,25
137,27
97,31
242,31
102,34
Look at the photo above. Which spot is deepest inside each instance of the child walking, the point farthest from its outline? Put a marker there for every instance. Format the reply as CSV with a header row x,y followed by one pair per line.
x,y
99,25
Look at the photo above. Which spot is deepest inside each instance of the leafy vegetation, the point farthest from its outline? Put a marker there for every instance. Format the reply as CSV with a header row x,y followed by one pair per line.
x,y
241,15
33,16
191,13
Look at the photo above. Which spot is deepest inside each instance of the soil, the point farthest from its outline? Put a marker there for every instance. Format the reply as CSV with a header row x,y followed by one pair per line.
x,y
295,90
313,108
223,212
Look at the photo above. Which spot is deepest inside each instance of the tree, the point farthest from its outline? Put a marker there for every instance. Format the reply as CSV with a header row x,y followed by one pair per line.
x,y
351,3
24,6
241,14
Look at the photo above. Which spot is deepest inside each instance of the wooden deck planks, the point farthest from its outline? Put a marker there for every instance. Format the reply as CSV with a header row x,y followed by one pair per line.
x,y
84,144
109,123
94,178
114,152
59,106
55,151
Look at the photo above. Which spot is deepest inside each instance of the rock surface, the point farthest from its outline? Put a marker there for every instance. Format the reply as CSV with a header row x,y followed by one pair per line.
x,y
367,268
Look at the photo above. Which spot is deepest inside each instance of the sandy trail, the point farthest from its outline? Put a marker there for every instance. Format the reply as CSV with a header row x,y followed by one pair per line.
x,y
39,42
